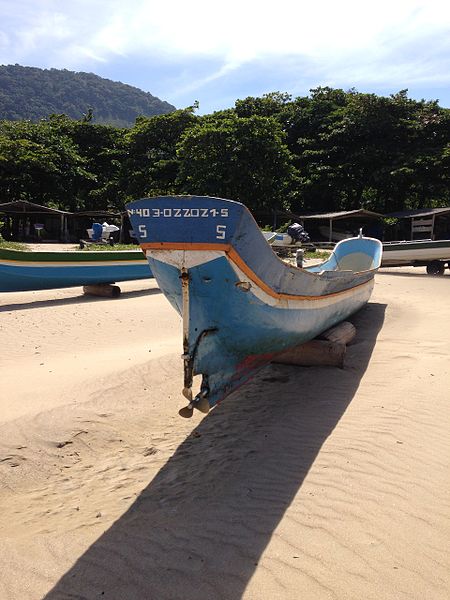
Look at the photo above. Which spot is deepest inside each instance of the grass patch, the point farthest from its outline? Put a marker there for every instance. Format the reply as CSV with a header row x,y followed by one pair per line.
x,y
13,246
107,247
320,254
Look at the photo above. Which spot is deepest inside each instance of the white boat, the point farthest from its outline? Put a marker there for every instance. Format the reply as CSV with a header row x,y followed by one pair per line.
x,y
282,239
433,254
107,230
269,235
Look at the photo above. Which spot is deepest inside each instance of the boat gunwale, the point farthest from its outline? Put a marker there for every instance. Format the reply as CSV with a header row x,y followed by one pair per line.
x,y
414,244
50,258
234,256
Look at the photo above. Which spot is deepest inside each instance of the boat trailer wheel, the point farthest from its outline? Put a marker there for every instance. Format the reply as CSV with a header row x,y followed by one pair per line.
x,y
435,267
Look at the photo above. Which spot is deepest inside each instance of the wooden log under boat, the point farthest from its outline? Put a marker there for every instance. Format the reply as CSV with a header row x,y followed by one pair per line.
x,y
327,352
343,332
103,289
316,353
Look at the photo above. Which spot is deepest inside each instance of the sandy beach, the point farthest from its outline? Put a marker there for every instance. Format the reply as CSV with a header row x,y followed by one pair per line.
x,y
308,483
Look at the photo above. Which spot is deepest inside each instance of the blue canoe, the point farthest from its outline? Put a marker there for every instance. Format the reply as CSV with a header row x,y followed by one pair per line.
x,y
241,305
24,271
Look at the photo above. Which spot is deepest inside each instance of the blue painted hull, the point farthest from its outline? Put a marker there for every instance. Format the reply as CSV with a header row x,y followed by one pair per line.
x,y
241,306
245,332
25,271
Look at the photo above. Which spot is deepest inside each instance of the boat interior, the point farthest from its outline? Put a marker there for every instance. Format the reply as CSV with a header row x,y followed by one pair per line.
x,y
353,254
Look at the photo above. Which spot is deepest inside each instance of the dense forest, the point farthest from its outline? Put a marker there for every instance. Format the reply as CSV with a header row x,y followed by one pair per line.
x,y
331,150
32,93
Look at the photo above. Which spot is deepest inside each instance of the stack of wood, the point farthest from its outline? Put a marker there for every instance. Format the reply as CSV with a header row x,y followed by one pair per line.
x,y
326,350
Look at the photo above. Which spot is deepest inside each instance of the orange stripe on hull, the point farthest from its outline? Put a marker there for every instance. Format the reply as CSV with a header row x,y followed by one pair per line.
x,y
235,257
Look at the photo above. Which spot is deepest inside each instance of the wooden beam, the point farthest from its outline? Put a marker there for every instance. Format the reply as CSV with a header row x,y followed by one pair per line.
x,y
316,353
102,289
328,350
343,332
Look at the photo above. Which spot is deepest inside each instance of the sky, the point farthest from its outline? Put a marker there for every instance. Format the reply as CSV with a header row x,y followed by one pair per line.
x,y
217,52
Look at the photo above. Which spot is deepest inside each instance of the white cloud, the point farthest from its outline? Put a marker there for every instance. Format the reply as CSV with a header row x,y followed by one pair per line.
x,y
240,30
345,37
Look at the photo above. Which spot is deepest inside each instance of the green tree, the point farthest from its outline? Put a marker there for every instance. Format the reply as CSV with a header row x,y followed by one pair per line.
x,y
102,149
151,165
244,159
39,165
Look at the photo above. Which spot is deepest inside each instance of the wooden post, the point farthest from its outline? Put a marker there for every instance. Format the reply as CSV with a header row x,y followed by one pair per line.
x,y
102,289
122,219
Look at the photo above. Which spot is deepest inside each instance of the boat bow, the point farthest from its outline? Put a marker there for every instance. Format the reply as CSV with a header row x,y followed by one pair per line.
x,y
240,304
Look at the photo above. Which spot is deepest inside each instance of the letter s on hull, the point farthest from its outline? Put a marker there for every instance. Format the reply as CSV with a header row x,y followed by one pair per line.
x,y
220,231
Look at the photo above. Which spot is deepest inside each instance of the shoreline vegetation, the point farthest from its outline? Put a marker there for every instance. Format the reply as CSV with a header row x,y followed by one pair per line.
x,y
332,150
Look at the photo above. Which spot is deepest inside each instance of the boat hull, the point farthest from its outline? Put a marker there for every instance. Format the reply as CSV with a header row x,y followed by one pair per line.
x,y
241,305
418,251
240,330
283,240
25,271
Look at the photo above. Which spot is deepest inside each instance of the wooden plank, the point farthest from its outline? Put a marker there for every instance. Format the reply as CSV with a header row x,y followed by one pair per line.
x,y
419,222
422,229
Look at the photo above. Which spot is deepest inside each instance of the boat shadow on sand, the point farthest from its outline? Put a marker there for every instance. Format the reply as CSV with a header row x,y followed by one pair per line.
x,y
199,529
78,299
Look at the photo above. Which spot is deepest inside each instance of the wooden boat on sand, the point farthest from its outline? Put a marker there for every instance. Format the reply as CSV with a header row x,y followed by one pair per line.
x,y
23,271
432,254
241,305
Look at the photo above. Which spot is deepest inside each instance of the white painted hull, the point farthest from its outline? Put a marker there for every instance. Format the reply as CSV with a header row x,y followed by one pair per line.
x,y
283,240
422,251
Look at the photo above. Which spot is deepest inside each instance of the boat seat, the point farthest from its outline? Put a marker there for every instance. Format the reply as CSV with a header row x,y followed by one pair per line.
x,y
356,262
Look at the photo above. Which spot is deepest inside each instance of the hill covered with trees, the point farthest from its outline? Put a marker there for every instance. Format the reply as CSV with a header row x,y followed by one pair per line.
x,y
332,150
32,93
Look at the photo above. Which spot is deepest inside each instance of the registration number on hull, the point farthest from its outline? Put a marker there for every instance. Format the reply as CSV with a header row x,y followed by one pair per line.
x,y
170,213
183,213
